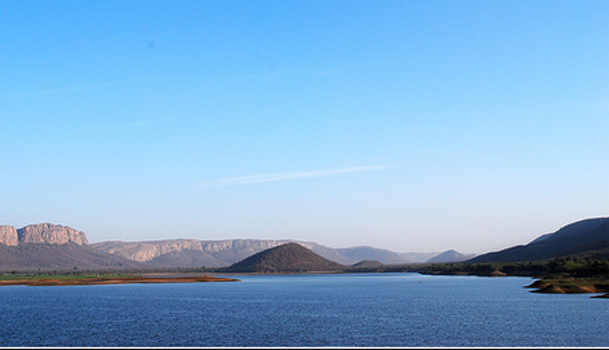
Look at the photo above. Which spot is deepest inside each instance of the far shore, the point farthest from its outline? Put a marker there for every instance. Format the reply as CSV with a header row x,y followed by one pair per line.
x,y
564,285
64,280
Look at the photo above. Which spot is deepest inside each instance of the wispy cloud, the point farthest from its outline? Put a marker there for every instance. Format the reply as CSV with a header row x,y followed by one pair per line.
x,y
251,179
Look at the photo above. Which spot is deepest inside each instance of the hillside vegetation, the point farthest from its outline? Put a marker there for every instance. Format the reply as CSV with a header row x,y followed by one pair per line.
x,y
65,257
569,274
579,238
574,259
287,258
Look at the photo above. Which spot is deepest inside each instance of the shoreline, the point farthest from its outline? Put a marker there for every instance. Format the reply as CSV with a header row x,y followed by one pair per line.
x,y
542,285
59,281
572,286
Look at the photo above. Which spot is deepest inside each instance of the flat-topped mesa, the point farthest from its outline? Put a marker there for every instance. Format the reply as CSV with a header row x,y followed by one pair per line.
x,y
8,235
51,234
147,251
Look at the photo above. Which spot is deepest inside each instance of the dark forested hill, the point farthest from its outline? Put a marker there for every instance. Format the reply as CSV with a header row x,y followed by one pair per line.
x,y
290,257
576,238
34,257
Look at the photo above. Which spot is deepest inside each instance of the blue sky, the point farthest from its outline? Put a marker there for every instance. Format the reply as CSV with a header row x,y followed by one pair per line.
x,y
406,125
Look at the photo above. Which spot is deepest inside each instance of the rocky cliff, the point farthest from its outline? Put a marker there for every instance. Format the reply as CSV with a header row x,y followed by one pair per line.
x,y
8,235
175,252
148,251
41,234
46,248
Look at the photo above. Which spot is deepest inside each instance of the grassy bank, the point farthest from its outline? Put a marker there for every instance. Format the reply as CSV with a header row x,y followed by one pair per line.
x,y
73,279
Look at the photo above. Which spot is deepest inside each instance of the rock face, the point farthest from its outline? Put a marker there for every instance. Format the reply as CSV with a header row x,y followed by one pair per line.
x,y
148,251
41,234
52,248
8,235
187,252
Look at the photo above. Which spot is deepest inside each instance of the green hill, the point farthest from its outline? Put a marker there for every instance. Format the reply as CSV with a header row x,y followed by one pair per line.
x,y
286,258
579,238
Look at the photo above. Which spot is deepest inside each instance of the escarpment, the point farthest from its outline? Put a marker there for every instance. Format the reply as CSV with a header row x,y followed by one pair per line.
x,y
8,235
41,234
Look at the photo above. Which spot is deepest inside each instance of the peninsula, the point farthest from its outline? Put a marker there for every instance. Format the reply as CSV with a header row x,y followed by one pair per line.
x,y
76,280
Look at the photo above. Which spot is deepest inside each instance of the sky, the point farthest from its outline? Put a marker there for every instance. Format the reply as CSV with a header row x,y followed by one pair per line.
x,y
414,126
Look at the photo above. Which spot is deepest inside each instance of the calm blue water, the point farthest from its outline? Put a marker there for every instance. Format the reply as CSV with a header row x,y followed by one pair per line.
x,y
304,310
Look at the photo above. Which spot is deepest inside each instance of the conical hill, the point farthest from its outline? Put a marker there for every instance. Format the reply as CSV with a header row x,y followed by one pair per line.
x,y
286,258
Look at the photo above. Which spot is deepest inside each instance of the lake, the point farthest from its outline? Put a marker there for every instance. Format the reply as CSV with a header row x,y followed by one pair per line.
x,y
389,309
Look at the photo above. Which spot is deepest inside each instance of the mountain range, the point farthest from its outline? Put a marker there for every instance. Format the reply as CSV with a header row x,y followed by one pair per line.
x,y
585,238
195,253
51,247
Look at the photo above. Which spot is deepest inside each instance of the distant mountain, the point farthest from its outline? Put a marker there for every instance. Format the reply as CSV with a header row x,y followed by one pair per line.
x,y
368,264
41,233
417,257
166,252
541,238
188,252
450,256
47,247
286,258
195,253
33,257
186,258
576,238
383,255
